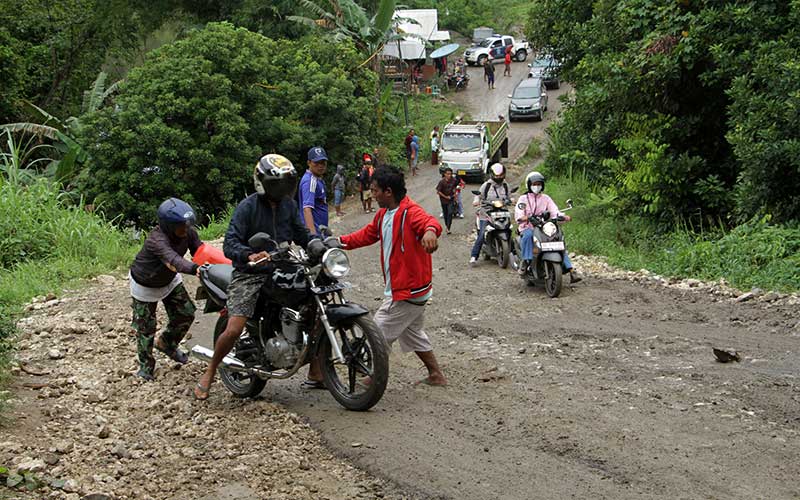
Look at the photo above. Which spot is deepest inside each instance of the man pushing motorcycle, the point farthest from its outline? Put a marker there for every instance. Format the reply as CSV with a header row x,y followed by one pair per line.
x,y
271,210
535,202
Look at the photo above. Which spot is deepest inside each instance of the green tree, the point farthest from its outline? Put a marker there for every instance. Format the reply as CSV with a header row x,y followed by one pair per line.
x,y
193,120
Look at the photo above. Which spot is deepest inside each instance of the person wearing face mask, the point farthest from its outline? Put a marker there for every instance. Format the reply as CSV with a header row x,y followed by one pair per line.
x,y
535,202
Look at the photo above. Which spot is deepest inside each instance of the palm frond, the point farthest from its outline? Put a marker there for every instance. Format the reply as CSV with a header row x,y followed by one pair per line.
x,y
111,89
307,21
32,128
93,98
47,116
382,20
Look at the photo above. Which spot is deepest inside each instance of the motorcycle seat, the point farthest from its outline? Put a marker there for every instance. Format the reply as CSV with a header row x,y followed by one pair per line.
x,y
220,275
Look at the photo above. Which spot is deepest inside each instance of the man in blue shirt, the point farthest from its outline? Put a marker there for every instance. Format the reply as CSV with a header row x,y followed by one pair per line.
x,y
311,193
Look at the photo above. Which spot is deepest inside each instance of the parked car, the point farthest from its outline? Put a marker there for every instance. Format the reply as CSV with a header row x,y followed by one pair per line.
x,y
494,47
545,67
529,100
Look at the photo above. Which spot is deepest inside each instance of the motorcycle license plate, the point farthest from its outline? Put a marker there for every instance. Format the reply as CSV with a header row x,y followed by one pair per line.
x,y
500,215
462,172
322,290
552,245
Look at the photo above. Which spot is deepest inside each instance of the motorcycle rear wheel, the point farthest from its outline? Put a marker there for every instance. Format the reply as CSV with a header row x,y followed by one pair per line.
x,y
366,355
552,282
240,384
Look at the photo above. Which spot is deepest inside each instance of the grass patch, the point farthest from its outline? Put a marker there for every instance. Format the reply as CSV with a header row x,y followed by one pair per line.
x,y
216,226
424,113
533,153
755,254
48,245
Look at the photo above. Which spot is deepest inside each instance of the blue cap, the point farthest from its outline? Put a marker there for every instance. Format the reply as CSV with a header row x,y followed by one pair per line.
x,y
317,154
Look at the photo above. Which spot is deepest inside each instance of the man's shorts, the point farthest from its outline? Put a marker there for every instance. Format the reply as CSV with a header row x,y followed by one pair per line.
x,y
403,321
243,293
338,197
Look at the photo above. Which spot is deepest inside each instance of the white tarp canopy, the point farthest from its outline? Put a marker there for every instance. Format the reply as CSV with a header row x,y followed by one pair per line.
x,y
425,29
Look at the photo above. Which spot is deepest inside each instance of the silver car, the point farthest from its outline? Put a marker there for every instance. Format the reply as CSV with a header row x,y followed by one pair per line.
x,y
529,100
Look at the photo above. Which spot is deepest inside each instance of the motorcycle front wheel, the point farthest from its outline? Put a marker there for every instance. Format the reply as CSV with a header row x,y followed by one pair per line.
x,y
358,383
552,282
501,247
241,385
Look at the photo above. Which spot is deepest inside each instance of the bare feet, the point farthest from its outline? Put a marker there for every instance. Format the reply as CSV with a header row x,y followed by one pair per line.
x,y
437,380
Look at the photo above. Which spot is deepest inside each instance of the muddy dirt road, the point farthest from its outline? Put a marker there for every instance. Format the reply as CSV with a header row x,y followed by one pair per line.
x,y
610,391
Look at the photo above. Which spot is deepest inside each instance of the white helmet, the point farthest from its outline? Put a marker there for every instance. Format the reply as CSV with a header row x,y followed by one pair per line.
x,y
534,177
498,172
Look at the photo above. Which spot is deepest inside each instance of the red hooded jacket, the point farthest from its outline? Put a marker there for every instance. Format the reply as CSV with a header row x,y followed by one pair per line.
x,y
410,263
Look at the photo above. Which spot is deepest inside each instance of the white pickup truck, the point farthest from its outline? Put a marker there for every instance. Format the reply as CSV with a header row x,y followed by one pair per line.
x,y
494,47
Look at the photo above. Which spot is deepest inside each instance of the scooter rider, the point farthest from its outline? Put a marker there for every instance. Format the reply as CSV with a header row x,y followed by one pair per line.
x,y
272,210
495,188
535,202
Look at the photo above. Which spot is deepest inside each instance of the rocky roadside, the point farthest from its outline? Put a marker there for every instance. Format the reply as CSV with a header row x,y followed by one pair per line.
x,y
81,425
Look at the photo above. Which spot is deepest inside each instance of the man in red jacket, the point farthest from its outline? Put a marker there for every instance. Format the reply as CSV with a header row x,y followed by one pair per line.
x,y
408,236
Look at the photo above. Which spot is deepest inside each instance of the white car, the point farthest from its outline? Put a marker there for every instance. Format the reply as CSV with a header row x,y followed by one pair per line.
x,y
495,48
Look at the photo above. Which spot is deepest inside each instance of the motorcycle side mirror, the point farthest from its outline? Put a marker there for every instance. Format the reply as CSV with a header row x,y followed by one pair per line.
x,y
569,202
546,215
325,231
515,189
259,241
475,192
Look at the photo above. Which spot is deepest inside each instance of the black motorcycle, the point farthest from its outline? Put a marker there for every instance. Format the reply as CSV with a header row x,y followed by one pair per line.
x,y
548,252
301,315
497,238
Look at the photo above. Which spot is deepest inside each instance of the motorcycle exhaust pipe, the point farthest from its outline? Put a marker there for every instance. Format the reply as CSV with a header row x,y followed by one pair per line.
x,y
229,362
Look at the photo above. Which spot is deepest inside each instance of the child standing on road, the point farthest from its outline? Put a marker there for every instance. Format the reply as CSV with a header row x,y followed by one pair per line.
x,y
507,71
155,276
338,185
446,189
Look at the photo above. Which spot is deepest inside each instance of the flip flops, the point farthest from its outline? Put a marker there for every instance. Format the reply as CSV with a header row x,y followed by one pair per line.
x,y
201,392
313,384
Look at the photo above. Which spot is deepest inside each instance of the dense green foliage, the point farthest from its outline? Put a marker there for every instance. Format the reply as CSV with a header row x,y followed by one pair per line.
x,y
463,16
51,51
194,118
682,110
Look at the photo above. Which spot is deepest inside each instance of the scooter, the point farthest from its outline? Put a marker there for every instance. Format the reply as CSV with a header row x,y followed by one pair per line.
x,y
497,236
548,252
458,81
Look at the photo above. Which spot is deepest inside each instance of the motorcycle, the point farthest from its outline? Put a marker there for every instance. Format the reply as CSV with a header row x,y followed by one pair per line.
x,y
458,81
548,252
303,315
497,236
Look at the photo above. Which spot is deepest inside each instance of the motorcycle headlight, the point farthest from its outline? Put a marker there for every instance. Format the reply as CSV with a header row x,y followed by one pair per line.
x,y
335,263
549,229
497,204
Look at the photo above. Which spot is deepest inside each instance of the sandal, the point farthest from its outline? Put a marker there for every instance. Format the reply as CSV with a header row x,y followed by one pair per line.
x,y
313,384
201,392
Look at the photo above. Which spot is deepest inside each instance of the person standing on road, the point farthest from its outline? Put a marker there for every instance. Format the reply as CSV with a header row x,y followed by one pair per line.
x,y
435,147
409,139
364,182
446,189
459,206
414,154
507,71
311,193
339,185
488,72
155,275
408,235
495,188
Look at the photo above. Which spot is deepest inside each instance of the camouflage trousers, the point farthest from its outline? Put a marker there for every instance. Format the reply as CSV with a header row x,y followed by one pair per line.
x,y
180,311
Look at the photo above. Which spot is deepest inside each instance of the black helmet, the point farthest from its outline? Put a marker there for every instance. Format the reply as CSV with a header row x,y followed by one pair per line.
x,y
275,177
174,213
534,177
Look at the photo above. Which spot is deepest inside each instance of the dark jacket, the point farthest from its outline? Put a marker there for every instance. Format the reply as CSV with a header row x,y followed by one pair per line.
x,y
255,215
150,269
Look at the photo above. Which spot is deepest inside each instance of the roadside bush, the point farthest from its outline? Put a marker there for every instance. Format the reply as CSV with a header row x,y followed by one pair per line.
x,y
193,120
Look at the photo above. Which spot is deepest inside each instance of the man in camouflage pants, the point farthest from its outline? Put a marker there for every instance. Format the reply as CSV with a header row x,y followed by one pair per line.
x,y
155,276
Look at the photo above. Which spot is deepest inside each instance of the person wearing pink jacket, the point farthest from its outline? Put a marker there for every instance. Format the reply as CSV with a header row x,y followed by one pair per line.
x,y
535,202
